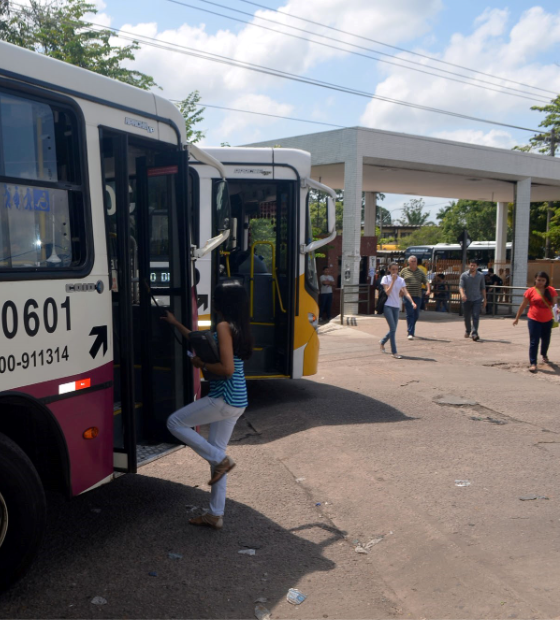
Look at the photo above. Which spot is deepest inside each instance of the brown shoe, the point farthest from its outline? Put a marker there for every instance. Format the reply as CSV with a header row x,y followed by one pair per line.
x,y
533,368
216,523
221,470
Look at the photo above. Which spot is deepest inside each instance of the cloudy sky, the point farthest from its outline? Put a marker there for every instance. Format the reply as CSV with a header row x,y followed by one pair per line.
x,y
515,40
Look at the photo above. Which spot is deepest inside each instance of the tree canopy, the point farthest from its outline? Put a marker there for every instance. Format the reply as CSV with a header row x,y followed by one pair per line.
x,y
413,213
192,114
546,141
58,30
478,217
427,235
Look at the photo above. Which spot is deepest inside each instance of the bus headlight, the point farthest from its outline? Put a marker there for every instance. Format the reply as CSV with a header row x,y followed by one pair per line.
x,y
313,320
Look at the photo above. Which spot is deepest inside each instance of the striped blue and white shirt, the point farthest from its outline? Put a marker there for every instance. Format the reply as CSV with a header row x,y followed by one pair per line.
x,y
232,389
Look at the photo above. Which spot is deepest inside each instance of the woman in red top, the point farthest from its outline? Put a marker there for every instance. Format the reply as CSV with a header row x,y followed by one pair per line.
x,y
540,299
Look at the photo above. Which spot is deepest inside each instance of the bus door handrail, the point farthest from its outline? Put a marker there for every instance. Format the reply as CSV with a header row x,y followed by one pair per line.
x,y
228,269
276,285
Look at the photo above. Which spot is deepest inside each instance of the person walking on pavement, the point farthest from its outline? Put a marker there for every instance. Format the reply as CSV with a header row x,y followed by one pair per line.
x,y
492,293
540,299
414,278
394,285
326,294
227,398
472,287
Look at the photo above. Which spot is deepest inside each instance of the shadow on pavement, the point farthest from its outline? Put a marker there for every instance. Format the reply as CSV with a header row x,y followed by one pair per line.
x,y
549,368
107,542
281,408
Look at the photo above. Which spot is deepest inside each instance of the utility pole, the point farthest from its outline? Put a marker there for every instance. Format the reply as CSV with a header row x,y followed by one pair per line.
x,y
549,210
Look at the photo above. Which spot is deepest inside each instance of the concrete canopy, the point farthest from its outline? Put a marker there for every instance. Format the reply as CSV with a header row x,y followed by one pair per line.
x,y
359,159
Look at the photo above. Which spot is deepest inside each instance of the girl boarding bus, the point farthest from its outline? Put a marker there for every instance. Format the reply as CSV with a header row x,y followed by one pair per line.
x,y
271,251
88,372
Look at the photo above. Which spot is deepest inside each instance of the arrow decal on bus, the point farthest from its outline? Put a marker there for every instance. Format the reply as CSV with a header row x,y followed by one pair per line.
x,y
100,332
202,300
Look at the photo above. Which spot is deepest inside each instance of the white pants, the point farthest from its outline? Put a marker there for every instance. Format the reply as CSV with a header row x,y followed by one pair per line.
x,y
222,418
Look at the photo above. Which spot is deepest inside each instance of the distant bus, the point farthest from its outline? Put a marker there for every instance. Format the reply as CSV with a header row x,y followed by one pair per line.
x,y
442,254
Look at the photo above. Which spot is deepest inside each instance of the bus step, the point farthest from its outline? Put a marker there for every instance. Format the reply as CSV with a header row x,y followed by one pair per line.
x,y
147,454
262,361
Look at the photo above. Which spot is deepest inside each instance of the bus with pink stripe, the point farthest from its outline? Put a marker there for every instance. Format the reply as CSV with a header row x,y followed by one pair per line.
x,y
95,189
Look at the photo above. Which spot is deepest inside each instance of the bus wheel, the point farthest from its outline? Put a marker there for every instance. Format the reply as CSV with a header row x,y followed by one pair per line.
x,y
22,512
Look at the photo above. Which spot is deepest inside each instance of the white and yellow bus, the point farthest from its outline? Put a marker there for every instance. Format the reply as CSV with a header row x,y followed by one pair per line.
x,y
270,250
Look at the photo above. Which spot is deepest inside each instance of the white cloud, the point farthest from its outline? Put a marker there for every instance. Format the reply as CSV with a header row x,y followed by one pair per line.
x,y
179,74
490,48
250,124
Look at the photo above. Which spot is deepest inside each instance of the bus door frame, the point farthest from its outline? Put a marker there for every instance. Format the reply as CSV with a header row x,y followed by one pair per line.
x,y
165,160
126,348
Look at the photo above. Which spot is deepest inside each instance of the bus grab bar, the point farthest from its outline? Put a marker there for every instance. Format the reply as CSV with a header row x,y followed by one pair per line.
x,y
274,278
204,158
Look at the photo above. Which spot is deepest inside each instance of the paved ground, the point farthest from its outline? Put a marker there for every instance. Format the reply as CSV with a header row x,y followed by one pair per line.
x,y
365,452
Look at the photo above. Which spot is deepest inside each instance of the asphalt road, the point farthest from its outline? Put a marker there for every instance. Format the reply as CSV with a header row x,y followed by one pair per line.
x,y
367,451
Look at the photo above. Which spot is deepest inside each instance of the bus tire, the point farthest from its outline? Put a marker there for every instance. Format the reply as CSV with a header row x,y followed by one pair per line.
x,y
22,512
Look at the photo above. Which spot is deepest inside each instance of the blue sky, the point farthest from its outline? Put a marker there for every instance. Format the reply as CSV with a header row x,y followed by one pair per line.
x,y
515,39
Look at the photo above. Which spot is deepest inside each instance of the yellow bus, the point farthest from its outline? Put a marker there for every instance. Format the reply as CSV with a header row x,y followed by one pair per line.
x,y
270,249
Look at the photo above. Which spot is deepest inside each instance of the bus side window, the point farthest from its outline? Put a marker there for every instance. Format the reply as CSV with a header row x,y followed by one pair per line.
x,y
41,198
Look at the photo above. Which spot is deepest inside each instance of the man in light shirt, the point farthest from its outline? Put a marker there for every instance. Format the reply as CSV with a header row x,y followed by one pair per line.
x,y
414,279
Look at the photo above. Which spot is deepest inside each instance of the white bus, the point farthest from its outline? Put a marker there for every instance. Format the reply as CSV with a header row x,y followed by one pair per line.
x,y
443,255
88,372
270,250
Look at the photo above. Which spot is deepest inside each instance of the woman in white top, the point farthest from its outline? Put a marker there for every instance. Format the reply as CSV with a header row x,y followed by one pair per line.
x,y
394,285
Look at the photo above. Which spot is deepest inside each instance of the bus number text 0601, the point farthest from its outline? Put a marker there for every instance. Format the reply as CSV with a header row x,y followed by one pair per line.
x,y
32,317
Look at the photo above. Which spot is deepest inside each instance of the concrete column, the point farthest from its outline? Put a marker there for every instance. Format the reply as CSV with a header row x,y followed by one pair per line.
x,y
370,213
521,238
501,234
352,224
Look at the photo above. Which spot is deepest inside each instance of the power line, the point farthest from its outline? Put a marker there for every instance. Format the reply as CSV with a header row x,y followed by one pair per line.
x,y
287,118
283,74
174,47
500,89
400,49
423,70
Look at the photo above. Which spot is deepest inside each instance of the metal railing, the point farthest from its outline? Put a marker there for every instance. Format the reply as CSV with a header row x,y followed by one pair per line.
x,y
497,297
353,289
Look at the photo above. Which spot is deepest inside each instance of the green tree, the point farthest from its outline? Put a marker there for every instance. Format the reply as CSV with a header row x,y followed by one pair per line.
x,y
192,113
427,235
383,216
543,240
478,217
58,30
547,140
414,214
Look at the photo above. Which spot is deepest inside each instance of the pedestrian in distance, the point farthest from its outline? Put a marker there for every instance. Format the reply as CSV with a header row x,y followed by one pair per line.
x,y
394,286
492,291
441,292
414,279
472,288
227,398
326,294
540,299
